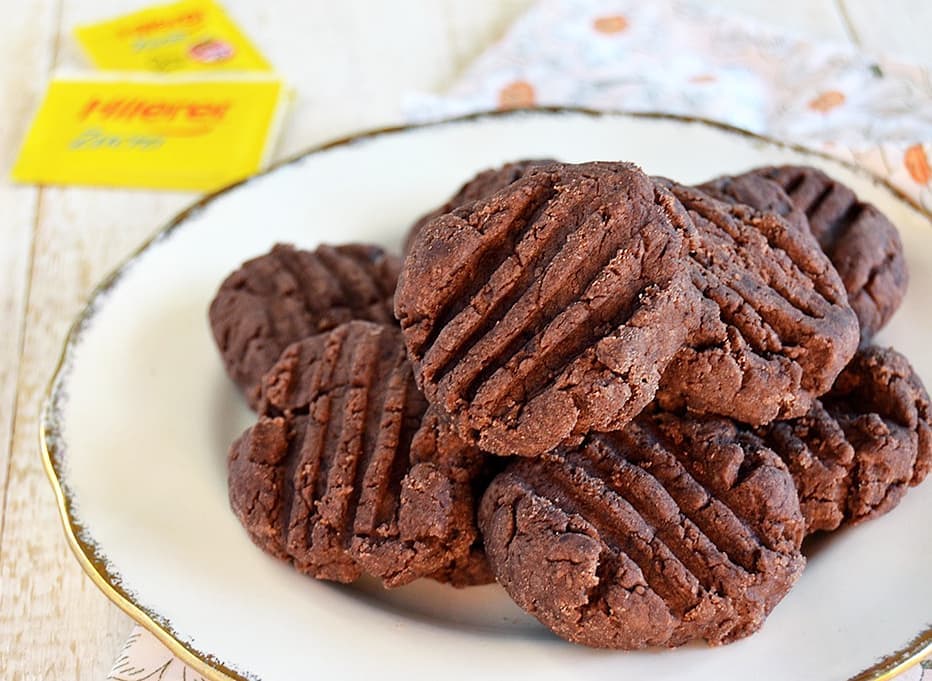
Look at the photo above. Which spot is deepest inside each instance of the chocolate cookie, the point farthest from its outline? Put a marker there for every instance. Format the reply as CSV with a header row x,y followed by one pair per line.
x,y
671,530
758,192
549,308
471,570
860,447
819,457
336,478
433,441
776,326
860,241
484,184
287,295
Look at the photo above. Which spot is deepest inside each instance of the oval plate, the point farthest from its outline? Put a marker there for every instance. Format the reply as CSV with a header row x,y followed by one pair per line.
x,y
140,414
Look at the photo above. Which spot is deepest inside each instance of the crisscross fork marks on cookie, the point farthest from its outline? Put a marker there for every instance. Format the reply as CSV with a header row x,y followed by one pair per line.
x,y
549,308
633,539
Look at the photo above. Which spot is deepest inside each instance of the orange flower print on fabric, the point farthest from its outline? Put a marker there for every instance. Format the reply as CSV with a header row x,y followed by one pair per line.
x,y
917,163
516,95
609,25
703,78
828,100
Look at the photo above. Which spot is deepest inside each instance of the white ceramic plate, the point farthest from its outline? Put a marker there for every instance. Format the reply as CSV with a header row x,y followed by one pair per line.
x,y
140,415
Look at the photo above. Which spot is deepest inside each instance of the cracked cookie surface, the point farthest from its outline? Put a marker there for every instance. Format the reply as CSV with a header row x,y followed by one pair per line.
x,y
483,184
776,327
341,475
671,530
862,243
434,441
862,445
549,308
289,294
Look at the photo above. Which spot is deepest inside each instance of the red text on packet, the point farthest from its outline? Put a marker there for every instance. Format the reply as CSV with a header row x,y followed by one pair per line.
x,y
185,20
155,111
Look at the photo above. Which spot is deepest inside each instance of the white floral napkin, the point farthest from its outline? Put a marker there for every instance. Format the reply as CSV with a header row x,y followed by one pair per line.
x,y
679,57
144,658
685,58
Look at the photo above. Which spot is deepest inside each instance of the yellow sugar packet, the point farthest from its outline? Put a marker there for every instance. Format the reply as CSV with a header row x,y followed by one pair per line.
x,y
191,35
194,131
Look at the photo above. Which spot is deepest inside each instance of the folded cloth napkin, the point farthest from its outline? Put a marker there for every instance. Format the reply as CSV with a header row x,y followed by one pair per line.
x,y
685,58
144,658
679,57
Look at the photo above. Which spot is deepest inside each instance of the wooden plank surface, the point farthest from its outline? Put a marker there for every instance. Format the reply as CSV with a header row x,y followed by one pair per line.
x,y
54,623
27,35
350,63
26,40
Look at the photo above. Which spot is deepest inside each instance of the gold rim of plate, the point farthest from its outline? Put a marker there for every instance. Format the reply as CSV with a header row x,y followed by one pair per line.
x,y
89,556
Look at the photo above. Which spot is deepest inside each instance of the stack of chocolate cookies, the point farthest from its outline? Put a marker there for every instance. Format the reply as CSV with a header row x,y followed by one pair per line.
x,y
626,400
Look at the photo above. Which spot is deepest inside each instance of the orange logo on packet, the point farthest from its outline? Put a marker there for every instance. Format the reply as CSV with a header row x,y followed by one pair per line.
x,y
186,19
173,118
191,35
211,51
184,132
211,121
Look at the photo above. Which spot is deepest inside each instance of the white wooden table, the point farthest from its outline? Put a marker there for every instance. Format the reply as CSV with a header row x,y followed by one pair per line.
x,y
350,62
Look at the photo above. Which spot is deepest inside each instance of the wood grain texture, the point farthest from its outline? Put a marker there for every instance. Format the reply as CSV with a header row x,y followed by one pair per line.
x,y
25,34
53,622
52,613
26,41
351,63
